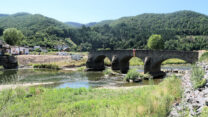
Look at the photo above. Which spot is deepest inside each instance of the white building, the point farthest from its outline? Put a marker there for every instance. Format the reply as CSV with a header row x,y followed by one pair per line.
x,y
23,50
15,50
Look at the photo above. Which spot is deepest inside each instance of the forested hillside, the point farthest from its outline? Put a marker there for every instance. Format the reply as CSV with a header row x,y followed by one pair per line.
x,y
133,32
183,30
38,29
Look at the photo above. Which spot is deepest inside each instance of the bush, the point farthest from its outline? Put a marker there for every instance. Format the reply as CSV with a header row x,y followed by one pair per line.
x,y
132,75
145,76
197,77
46,66
204,57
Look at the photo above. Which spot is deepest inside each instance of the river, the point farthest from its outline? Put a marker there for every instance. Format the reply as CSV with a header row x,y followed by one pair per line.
x,y
74,79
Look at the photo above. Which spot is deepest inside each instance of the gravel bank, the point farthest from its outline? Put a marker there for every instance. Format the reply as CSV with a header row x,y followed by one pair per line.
x,y
193,100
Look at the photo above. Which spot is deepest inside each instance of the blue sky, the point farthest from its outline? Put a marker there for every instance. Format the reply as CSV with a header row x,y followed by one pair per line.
x,y
85,11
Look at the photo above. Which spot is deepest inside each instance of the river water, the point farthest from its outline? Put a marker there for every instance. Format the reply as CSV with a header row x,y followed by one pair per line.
x,y
73,79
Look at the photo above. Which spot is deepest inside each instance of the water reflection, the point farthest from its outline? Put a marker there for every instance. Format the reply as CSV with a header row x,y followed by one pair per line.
x,y
7,76
64,78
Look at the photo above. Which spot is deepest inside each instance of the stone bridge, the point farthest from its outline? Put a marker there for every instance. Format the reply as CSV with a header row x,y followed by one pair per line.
x,y
152,59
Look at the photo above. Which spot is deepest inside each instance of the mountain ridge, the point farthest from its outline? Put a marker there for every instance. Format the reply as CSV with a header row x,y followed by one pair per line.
x,y
122,33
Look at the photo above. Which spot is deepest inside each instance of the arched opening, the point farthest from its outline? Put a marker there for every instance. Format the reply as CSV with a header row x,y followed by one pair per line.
x,y
107,62
103,61
174,65
174,61
130,62
135,61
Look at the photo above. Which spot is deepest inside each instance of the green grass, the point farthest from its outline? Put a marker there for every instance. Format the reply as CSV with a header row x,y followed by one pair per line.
x,y
72,63
148,101
81,68
46,66
174,61
134,61
145,76
197,77
204,112
204,57
107,62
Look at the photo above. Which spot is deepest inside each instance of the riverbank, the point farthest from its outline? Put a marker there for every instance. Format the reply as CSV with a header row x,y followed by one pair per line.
x,y
14,86
61,61
194,100
153,100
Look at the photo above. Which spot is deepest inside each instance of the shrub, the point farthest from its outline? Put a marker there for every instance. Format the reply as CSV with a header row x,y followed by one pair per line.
x,y
201,84
197,77
132,75
145,76
46,66
204,57
107,71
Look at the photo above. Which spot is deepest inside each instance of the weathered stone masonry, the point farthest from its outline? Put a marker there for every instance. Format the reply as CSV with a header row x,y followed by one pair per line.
x,y
8,62
152,59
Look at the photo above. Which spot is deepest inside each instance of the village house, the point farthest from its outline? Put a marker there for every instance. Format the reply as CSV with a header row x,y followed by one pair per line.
x,y
16,50
61,47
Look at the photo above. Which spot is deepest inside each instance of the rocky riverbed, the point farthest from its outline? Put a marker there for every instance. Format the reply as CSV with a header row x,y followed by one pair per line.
x,y
193,100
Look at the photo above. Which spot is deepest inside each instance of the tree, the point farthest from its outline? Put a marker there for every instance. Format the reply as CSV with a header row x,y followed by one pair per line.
x,y
155,42
12,36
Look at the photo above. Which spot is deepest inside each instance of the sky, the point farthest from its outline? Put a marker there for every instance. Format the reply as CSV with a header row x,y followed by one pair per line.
x,y
85,11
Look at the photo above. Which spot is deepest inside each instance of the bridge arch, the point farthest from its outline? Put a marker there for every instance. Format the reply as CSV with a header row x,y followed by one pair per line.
x,y
99,61
155,66
135,61
125,63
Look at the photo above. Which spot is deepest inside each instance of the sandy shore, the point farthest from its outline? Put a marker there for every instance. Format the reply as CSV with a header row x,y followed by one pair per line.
x,y
13,86
122,88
